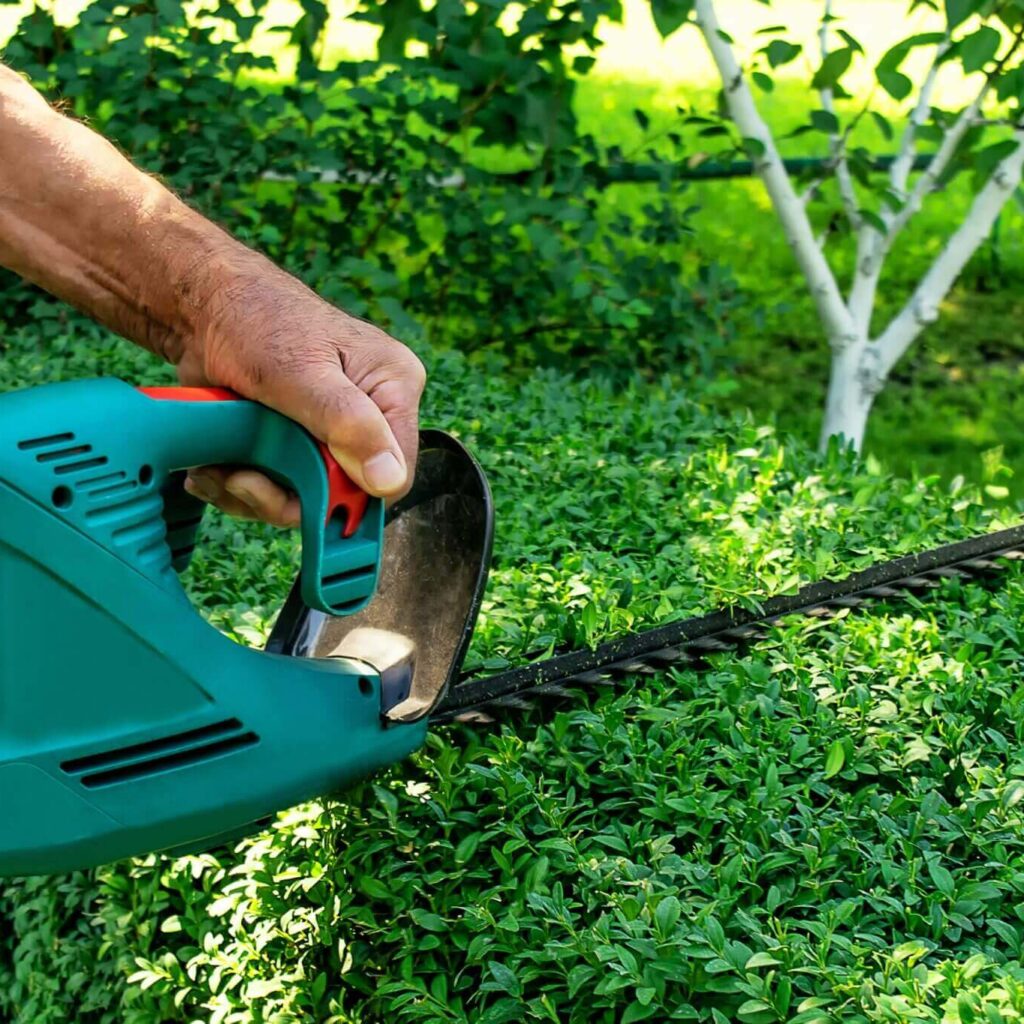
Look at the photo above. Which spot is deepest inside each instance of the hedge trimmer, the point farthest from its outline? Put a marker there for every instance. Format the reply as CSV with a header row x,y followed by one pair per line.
x,y
128,724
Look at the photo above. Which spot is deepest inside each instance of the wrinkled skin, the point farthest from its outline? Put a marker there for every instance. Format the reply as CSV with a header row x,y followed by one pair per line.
x,y
272,339
79,220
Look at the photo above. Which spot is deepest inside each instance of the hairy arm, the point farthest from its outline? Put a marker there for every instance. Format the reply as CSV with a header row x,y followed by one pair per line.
x,y
79,220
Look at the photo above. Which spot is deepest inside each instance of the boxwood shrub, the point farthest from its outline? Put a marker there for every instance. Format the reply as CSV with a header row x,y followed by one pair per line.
x,y
826,827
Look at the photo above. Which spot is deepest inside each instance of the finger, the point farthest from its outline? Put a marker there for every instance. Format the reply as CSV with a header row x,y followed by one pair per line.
x,y
219,499
244,493
399,401
271,503
327,403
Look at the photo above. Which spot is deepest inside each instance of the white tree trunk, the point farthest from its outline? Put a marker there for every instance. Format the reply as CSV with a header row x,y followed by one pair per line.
x,y
825,292
852,387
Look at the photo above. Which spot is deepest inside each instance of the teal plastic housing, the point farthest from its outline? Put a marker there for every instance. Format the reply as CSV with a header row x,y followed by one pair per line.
x,y
127,723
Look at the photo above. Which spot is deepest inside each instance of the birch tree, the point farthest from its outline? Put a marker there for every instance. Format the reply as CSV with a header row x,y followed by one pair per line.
x,y
979,39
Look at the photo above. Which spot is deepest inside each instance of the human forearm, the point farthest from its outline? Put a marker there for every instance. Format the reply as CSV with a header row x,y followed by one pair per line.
x,y
79,220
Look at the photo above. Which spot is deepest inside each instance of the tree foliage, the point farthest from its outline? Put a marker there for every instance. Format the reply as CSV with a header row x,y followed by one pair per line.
x,y
373,179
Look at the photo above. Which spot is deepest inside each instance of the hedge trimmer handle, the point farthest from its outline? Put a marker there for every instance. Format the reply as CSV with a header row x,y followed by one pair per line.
x,y
101,454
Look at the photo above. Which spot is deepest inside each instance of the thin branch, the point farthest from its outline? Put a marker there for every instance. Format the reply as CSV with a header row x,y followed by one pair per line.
x,y
837,144
825,292
899,173
923,306
871,245
947,150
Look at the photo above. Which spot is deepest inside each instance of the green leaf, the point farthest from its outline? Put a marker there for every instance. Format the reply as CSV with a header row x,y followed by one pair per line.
x,y
780,52
763,81
761,959
911,951
835,759
667,914
825,121
958,11
373,888
941,877
883,125
669,15
638,1011
1014,792
504,978
850,41
431,922
977,49
467,847
833,67
895,83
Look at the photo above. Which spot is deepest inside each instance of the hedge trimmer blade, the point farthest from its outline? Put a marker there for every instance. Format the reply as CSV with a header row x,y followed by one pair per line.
x,y
416,631
692,639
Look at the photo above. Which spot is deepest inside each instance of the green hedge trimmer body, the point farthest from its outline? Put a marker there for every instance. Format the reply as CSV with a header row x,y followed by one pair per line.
x,y
128,724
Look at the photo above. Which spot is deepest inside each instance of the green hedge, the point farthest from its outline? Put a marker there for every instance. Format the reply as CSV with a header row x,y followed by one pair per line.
x,y
826,828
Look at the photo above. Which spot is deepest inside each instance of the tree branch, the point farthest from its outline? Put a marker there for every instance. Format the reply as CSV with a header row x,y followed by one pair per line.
x,y
790,210
923,306
872,245
899,173
837,143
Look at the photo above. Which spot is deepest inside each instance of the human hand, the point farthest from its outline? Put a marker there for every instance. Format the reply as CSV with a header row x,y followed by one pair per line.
x,y
267,336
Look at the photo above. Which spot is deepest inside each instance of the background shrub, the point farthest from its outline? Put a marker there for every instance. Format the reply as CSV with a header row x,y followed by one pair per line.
x,y
414,227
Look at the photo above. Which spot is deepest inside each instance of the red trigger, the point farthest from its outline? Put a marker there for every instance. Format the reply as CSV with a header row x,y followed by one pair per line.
x,y
343,493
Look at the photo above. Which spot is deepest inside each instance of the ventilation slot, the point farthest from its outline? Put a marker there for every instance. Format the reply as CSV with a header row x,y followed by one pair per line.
x,y
64,453
91,483
112,490
77,467
44,442
349,575
142,760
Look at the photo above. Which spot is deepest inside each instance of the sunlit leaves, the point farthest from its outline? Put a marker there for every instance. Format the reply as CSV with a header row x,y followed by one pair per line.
x,y
780,52
958,11
832,68
825,121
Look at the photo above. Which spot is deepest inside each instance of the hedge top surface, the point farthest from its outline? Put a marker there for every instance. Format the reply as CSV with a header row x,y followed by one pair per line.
x,y
825,828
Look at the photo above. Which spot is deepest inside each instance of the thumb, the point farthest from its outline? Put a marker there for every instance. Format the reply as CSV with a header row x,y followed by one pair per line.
x,y
332,408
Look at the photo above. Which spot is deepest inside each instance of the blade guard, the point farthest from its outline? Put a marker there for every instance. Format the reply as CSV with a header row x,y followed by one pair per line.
x,y
127,723
437,554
